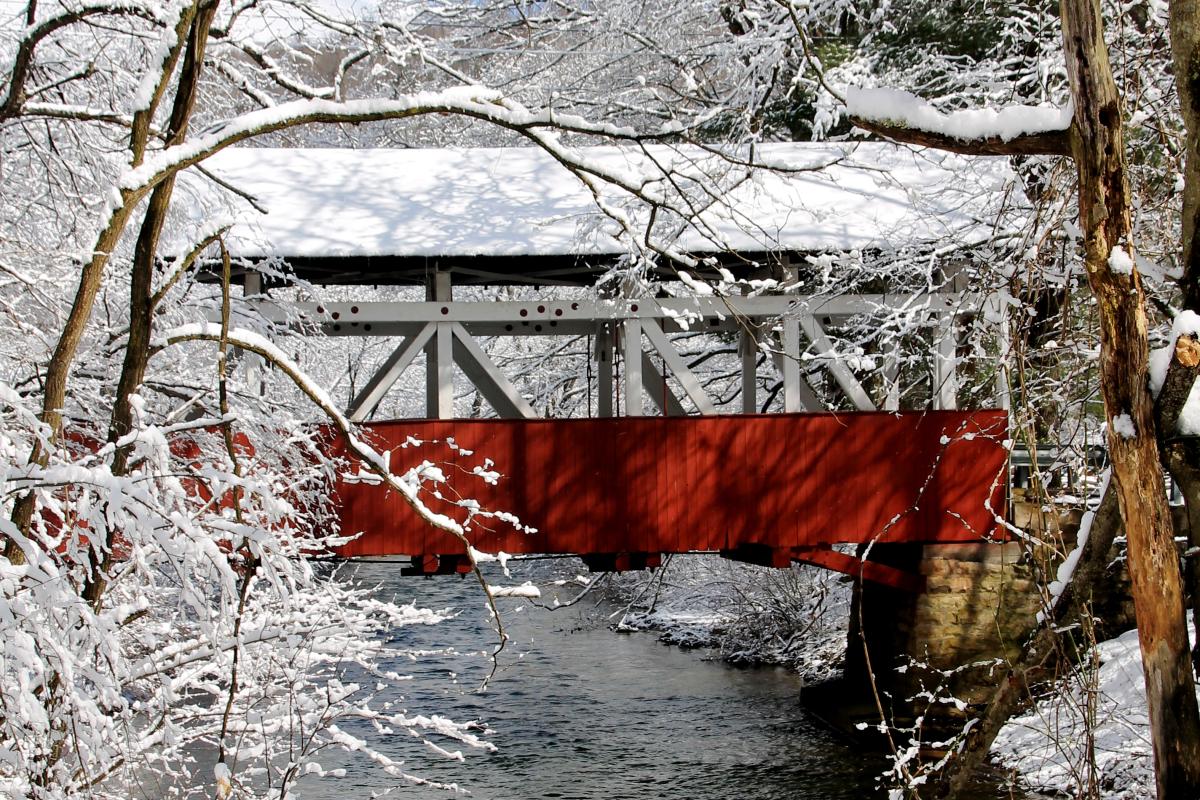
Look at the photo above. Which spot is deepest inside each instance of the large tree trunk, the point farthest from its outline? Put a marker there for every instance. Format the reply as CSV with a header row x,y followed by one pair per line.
x,y
1183,456
1097,146
141,282
1185,53
1104,209
91,277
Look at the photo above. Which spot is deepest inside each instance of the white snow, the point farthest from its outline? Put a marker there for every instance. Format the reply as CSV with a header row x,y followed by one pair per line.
x,y
904,109
1123,426
1047,744
521,201
1185,322
526,589
1119,261
501,558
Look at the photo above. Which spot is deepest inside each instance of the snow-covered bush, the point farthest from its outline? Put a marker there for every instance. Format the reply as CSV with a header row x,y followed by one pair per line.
x,y
1096,716
748,614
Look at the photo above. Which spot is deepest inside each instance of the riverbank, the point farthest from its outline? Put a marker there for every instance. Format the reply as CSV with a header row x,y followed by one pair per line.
x,y
745,614
797,618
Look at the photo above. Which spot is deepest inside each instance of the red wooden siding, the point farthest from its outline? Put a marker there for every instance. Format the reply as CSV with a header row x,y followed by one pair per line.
x,y
660,485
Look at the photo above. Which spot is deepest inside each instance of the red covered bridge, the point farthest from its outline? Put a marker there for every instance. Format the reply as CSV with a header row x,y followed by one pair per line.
x,y
620,488
622,492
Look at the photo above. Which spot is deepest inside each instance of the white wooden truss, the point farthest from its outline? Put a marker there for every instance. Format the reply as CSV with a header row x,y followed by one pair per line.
x,y
791,328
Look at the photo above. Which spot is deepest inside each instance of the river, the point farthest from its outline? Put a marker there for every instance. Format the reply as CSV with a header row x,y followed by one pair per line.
x,y
580,712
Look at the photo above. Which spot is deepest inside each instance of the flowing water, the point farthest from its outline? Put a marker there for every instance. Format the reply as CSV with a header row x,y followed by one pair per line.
x,y
578,711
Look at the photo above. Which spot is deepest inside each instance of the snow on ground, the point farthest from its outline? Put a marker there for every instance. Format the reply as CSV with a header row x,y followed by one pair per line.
x,y
1047,746
747,614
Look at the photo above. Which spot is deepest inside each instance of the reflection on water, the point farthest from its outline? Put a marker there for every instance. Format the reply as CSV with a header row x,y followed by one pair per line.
x,y
580,712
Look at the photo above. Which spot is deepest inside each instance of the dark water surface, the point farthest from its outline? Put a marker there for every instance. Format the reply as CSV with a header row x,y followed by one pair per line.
x,y
578,711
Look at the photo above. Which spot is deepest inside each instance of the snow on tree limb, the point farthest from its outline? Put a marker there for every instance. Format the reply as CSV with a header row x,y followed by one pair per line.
x,y
407,485
1011,130
375,461
477,102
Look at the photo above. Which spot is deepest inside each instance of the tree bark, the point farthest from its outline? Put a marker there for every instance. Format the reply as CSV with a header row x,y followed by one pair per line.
x,y
1185,55
141,282
1183,456
1097,146
1104,209
91,276
1054,143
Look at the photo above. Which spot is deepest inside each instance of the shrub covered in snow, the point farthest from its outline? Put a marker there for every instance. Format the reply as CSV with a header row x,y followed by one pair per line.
x,y
748,614
1099,713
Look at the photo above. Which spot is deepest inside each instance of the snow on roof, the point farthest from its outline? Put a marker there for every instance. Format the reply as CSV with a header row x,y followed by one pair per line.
x,y
451,202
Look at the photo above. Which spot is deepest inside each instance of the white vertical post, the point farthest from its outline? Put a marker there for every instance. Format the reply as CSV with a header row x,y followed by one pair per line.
x,y
604,370
633,367
252,284
792,401
253,364
748,349
439,355
945,389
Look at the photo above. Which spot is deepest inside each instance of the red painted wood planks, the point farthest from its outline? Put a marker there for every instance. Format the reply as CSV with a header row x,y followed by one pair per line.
x,y
654,484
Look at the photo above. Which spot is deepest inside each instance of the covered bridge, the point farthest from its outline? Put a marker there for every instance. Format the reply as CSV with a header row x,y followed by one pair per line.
x,y
622,491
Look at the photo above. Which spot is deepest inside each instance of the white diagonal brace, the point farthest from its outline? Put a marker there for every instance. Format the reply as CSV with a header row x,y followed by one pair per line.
x,y
660,393
487,378
841,373
891,375
366,401
687,379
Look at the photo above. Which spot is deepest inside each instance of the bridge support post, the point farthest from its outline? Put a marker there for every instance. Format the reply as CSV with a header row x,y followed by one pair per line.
x,y
748,352
253,364
980,602
632,333
439,355
604,369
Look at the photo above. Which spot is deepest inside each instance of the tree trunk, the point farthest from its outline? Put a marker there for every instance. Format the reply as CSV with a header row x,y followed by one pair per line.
x,y
141,282
1183,457
1104,210
91,276
1185,53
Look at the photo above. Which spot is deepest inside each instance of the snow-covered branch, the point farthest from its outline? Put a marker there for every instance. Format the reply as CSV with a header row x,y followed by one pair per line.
x,y
1007,131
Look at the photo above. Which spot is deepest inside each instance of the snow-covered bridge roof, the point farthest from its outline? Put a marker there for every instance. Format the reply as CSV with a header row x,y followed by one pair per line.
x,y
389,216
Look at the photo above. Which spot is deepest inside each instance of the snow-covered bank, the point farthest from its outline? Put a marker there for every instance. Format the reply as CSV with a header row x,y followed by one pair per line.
x,y
747,614
798,618
1048,746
